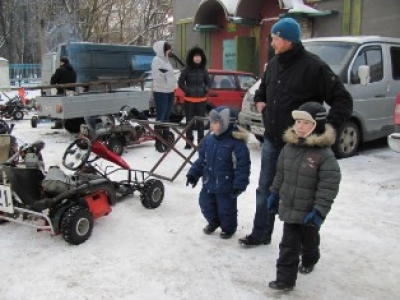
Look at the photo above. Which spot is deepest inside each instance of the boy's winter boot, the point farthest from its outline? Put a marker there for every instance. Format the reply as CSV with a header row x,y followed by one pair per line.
x,y
250,241
226,235
306,270
159,144
281,286
210,228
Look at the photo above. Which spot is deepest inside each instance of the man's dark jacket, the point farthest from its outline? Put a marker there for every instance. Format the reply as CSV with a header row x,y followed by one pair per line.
x,y
194,79
293,78
64,74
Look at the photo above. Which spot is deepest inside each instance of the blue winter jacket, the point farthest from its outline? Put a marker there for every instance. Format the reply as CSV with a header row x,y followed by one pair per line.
x,y
223,162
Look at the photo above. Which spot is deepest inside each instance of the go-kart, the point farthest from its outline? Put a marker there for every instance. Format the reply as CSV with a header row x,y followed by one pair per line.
x,y
69,212
125,134
81,156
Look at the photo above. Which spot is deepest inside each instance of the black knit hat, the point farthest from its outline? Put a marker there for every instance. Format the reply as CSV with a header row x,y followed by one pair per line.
x,y
65,60
314,112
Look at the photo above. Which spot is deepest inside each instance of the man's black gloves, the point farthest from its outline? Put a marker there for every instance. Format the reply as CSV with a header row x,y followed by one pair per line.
x,y
236,192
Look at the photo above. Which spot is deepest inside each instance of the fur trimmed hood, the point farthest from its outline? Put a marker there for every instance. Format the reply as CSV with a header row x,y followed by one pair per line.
x,y
196,51
240,134
325,139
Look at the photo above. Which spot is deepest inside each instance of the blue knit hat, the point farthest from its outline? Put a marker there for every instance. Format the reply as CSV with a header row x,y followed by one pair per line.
x,y
287,29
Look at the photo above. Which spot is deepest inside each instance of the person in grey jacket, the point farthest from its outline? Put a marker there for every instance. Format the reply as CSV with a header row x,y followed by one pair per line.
x,y
304,188
164,84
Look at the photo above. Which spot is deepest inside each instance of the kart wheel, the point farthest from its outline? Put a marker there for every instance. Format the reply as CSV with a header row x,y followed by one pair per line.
x,y
18,115
34,121
77,154
152,194
4,127
76,225
115,146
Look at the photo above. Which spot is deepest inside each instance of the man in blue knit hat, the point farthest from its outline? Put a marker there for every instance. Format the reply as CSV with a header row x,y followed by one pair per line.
x,y
293,77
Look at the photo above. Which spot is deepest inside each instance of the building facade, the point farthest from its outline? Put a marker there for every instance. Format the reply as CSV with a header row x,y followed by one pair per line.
x,y
235,33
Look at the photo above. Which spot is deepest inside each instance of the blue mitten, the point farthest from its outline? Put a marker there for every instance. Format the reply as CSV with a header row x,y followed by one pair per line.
x,y
314,218
273,203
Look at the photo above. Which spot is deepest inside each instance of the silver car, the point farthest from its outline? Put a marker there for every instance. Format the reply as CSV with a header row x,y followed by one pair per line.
x,y
369,67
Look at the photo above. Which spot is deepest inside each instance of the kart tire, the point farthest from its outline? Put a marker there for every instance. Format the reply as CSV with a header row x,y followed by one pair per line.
x,y
34,121
18,115
152,194
76,225
4,127
115,146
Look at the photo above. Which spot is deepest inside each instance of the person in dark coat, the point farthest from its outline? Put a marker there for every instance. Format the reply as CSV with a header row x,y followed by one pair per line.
x,y
194,81
224,165
305,185
64,74
293,77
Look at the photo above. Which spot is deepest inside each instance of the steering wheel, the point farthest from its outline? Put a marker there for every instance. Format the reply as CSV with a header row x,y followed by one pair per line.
x,y
77,154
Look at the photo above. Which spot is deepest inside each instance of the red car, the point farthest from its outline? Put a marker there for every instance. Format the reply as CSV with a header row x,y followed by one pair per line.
x,y
227,88
394,138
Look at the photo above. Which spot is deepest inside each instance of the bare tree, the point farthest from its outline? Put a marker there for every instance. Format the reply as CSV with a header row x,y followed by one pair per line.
x,y
29,28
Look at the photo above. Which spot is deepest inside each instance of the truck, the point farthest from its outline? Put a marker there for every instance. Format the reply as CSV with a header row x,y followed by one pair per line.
x,y
369,67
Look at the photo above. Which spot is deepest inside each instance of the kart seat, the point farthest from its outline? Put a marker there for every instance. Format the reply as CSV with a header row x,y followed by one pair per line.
x,y
6,150
26,183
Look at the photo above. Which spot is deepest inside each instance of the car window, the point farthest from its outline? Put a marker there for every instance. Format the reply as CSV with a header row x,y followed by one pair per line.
x,y
246,81
223,82
372,57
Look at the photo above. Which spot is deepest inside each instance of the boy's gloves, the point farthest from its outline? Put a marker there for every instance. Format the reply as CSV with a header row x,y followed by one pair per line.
x,y
273,203
191,180
236,192
314,218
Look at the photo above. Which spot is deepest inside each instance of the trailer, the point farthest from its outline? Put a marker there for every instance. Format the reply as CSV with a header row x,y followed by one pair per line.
x,y
73,107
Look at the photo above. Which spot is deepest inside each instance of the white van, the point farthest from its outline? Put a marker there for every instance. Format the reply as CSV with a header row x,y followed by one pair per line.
x,y
369,67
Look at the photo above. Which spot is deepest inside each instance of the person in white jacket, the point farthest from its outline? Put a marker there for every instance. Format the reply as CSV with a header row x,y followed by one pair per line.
x,y
164,83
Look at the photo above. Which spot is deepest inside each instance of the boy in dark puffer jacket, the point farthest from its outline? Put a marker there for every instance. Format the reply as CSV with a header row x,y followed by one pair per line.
x,y
224,164
194,81
306,184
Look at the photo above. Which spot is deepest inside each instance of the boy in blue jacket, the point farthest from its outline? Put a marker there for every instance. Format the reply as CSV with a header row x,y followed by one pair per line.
x,y
224,164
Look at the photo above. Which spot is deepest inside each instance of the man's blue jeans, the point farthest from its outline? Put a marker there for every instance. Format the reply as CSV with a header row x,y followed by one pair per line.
x,y
164,102
263,225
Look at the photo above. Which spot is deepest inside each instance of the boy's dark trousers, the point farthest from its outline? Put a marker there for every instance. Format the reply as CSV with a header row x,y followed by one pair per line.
x,y
297,239
193,109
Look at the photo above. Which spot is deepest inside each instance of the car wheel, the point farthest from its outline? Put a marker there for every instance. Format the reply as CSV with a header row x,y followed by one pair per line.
x,y
347,140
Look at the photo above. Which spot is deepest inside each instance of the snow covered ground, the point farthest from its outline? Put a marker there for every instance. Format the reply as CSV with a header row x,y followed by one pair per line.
x,y
136,253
